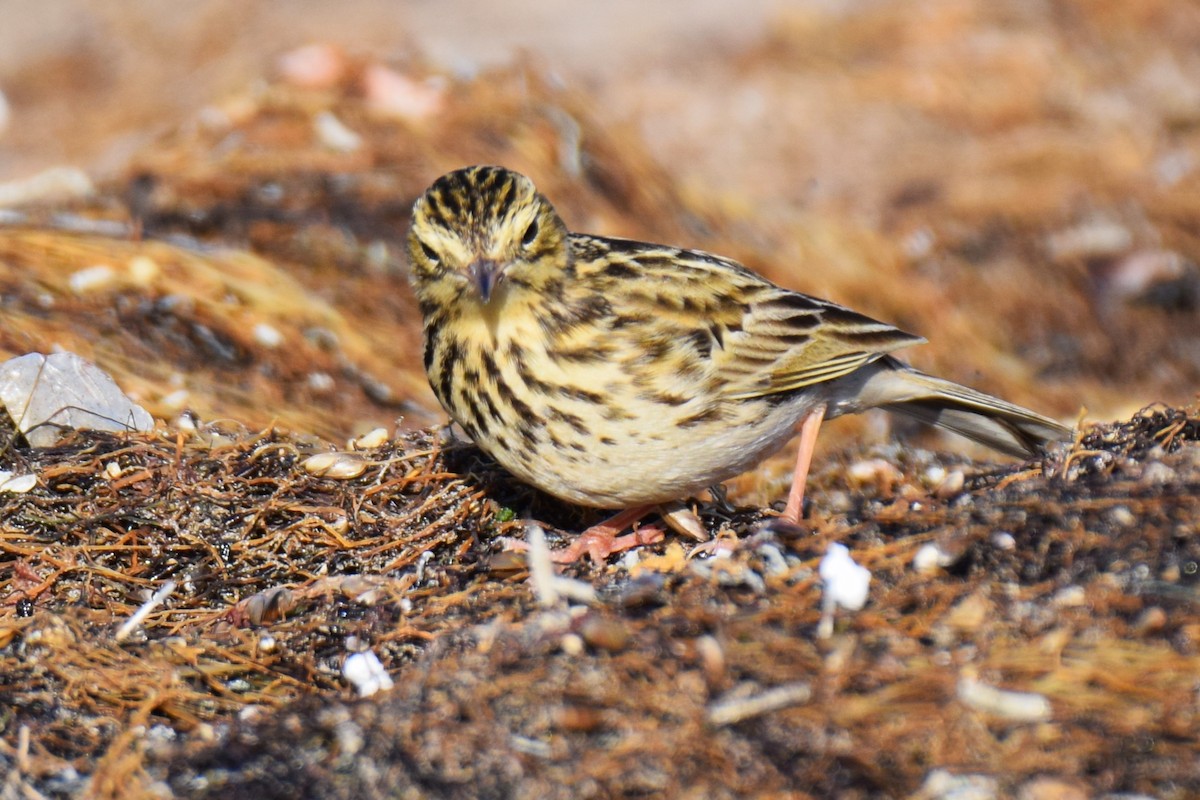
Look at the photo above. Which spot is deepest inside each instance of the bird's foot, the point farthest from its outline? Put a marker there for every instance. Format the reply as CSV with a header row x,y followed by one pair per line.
x,y
601,541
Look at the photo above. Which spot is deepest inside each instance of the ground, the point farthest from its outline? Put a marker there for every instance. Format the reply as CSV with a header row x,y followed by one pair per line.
x,y
1014,181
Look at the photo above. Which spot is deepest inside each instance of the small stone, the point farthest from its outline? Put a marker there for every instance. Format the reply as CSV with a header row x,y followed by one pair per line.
x,y
1070,597
1150,621
92,279
267,335
1003,540
376,437
929,557
1156,473
1051,789
1122,517
604,633
341,466
142,270
334,134
313,66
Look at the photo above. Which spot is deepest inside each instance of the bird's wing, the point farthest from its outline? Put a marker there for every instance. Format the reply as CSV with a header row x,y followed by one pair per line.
x,y
753,338
790,341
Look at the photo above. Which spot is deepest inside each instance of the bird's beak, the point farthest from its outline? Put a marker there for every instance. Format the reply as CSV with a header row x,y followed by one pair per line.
x,y
486,275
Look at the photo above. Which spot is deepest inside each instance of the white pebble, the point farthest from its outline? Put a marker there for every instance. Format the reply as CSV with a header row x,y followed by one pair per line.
x,y
1122,516
91,279
1003,540
267,335
320,382
370,440
334,134
874,470
930,557
933,476
176,400
1094,239
1021,706
54,184
571,644
365,673
1070,597
142,270
392,94
18,485
846,583
335,465
313,66
1157,473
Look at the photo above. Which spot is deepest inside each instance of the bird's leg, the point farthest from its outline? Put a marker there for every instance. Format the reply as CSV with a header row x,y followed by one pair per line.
x,y
804,453
601,540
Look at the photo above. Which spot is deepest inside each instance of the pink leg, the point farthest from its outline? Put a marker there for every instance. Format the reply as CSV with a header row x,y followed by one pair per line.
x,y
600,541
804,454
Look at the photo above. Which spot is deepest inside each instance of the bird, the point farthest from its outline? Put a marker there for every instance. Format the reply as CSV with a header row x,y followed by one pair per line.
x,y
620,374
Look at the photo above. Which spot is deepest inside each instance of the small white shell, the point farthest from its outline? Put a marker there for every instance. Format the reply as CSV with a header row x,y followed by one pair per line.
x,y
341,466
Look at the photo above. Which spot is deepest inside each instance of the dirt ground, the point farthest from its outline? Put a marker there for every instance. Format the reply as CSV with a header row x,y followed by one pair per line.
x,y
1016,181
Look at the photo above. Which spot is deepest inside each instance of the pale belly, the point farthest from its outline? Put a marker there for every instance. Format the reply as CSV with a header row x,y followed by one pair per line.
x,y
652,462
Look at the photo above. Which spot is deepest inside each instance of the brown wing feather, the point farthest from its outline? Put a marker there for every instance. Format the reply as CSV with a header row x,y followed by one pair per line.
x,y
758,338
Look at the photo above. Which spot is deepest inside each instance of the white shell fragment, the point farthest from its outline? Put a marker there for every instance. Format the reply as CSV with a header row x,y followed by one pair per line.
x,y
341,466
45,393
1019,706
51,185
92,279
376,437
930,557
334,134
846,583
18,485
267,335
366,674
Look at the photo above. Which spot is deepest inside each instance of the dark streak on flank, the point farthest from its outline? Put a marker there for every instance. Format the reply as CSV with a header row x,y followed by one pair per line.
x,y
701,341
579,355
614,413
490,367
582,395
522,408
664,398
450,355
575,421
710,414
492,409
473,414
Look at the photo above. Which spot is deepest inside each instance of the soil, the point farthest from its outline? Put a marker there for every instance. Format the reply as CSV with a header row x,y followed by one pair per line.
x,y
1014,181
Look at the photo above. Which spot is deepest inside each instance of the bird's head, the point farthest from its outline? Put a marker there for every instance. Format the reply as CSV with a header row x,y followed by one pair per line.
x,y
481,234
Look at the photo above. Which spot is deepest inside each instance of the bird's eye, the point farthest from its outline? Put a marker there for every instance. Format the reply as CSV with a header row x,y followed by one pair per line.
x,y
429,254
530,234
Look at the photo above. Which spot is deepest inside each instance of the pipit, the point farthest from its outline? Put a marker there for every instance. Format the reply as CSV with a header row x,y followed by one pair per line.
x,y
620,374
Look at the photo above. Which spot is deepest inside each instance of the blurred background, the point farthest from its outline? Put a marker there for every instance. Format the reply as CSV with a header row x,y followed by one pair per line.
x,y
1015,180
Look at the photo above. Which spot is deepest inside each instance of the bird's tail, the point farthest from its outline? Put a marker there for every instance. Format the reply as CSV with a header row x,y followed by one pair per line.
x,y
891,384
